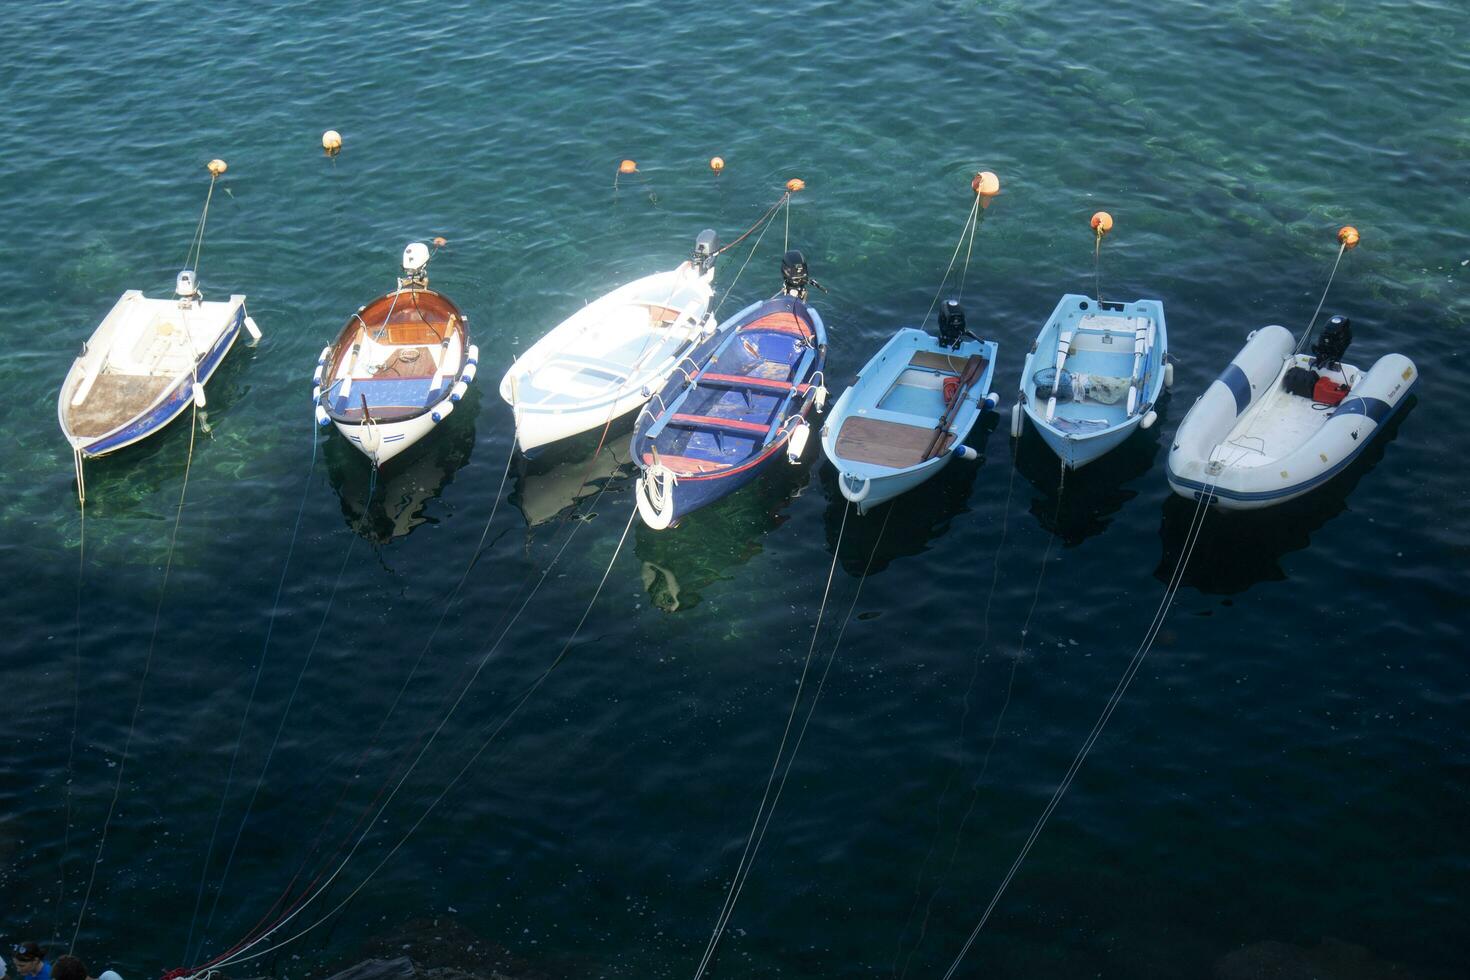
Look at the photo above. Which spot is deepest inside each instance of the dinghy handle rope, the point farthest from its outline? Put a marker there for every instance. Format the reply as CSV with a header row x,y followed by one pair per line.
x,y
541,679
250,700
122,764
1151,634
762,815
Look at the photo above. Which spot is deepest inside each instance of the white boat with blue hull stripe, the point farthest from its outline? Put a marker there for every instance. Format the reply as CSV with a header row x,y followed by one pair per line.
x,y
1276,424
146,362
1093,376
909,411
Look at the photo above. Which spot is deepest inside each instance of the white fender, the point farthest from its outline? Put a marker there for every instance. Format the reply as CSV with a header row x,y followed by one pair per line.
x,y
251,328
198,394
991,401
468,374
326,353
796,444
316,393
316,376
845,482
820,399
457,392
1149,418
963,451
322,418
442,410
1016,422
472,355
1168,375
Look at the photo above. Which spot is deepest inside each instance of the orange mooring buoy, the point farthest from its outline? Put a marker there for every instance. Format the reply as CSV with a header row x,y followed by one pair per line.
x,y
1349,236
1102,223
332,142
795,184
717,164
627,167
218,166
986,184
440,241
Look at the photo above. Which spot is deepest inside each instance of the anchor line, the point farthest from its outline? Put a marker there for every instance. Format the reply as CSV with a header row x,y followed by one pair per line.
x,y
1317,312
770,212
524,698
196,244
122,764
765,225
763,815
1171,590
960,741
249,703
374,810
972,219
76,708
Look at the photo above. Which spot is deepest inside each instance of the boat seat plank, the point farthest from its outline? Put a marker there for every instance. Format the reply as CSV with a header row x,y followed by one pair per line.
x,y
114,400
711,422
884,443
742,381
948,363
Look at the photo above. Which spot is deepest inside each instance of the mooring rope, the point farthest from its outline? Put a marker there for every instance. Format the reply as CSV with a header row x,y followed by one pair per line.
x,y
762,818
540,680
764,224
1197,521
196,244
250,700
122,764
286,712
973,218
76,708
1317,312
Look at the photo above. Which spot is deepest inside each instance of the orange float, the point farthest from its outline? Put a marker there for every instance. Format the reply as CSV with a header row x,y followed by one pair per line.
x,y
1349,236
1102,223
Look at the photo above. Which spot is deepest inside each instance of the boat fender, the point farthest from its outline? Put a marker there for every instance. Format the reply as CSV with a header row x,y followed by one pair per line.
x,y
457,392
316,376
1329,392
252,329
316,393
1149,418
963,451
198,394
1169,375
326,353
1016,420
442,411
820,401
992,400
473,355
468,374
796,445
322,418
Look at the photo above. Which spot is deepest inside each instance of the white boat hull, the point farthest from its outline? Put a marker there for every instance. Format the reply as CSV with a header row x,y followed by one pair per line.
x,y
1247,443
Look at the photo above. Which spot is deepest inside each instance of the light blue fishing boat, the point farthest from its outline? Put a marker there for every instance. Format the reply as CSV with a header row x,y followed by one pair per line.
x,y
909,411
1093,376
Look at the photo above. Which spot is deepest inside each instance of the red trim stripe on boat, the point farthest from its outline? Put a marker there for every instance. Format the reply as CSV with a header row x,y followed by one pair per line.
x,y
744,379
715,422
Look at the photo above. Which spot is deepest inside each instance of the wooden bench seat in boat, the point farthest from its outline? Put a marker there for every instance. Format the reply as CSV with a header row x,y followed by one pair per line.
x,y
716,424
884,443
744,382
948,363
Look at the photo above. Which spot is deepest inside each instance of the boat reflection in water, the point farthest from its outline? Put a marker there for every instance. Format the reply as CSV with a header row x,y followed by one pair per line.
x,y
1093,494
405,485
915,517
1238,549
568,476
710,543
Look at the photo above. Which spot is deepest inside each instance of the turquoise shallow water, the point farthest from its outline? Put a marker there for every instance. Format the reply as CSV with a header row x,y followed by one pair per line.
x,y
1290,764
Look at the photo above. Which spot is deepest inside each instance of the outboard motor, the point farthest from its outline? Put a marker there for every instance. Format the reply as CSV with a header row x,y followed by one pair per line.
x,y
952,323
186,287
794,276
705,247
1333,342
415,265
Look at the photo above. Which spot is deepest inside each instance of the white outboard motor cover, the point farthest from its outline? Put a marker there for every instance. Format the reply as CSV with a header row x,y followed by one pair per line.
x,y
415,257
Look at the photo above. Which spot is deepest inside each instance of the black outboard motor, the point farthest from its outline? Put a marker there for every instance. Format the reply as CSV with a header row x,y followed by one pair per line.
x,y
1333,342
952,323
705,247
794,275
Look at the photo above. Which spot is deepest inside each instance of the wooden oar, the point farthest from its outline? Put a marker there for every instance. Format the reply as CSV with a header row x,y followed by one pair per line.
x,y
968,377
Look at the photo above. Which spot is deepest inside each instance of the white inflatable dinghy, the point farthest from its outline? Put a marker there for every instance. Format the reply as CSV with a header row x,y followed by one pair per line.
x,y
1277,424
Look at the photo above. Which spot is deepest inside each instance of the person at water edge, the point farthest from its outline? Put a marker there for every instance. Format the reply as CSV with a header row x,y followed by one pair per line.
x,y
30,961
70,967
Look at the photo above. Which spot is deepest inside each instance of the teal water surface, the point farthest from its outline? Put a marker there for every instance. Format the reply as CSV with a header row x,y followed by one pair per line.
x,y
1289,767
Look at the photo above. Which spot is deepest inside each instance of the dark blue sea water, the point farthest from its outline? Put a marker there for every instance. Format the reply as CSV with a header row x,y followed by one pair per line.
x,y
1289,767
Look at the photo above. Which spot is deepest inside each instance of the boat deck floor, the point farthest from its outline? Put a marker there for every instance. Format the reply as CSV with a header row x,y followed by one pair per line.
x,y
113,400
885,443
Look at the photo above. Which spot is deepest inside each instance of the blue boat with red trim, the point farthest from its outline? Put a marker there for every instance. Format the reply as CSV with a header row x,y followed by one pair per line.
x,y
737,402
